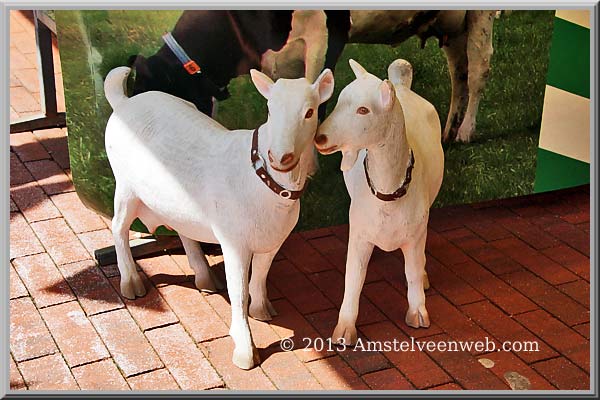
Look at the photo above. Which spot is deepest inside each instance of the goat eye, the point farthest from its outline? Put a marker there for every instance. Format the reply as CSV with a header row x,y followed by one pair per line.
x,y
362,110
309,113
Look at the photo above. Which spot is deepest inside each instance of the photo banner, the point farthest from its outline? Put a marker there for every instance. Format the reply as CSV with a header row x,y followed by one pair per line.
x,y
564,148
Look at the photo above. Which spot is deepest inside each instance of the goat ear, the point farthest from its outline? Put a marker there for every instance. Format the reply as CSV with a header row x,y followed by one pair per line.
x,y
387,95
348,160
324,84
262,82
358,69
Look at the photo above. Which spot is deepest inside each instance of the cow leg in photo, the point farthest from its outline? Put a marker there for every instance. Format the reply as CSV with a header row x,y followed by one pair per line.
x,y
456,53
359,254
260,306
414,268
203,279
426,284
479,53
125,209
237,265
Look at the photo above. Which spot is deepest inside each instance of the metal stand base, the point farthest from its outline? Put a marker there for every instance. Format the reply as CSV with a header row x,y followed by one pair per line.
x,y
41,121
151,246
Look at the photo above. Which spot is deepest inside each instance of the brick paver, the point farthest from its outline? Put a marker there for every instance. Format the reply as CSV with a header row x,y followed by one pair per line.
x,y
92,288
33,202
465,368
562,338
76,338
506,270
79,218
416,366
278,362
126,343
96,240
504,328
150,311
194,312
55,143
60,241
507,363
101,375
387,379
29,337
48,373
50,176
27,147
17,289
154,380
16,381
43,280
192,371
334,374
219,352
564,374
23,241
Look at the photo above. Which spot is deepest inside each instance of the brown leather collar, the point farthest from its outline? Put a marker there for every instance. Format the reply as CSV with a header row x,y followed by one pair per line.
x,y
259,166
401,190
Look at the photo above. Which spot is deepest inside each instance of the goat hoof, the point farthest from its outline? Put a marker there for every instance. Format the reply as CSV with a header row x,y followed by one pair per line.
x,y
132,288
262,310
246,360
344,334
140,289
205,284
418,318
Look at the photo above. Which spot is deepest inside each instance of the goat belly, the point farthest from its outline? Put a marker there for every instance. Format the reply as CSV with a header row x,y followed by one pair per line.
x,y
191,176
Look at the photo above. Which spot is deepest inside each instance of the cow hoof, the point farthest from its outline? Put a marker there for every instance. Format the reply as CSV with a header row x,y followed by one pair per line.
x,y
344,334
245,359
205,284
262,310
464,136
132,288
418,318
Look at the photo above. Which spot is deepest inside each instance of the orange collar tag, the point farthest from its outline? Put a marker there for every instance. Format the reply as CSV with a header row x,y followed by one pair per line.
x,y
191,67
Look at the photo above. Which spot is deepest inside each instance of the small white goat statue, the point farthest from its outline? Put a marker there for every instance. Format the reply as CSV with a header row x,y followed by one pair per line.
x,y
175,166
395,136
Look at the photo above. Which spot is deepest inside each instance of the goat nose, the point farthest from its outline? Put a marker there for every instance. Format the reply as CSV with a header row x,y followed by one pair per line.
x,y
287,158
321,139
270,156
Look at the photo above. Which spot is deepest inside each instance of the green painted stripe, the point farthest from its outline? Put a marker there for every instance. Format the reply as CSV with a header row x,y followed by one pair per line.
x,y
569,67
555,171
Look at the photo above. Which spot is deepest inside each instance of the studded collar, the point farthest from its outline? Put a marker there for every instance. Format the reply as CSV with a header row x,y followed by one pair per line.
x,y
261,171
401,191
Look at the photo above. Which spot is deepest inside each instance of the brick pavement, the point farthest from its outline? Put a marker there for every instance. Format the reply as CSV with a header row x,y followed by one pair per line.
x,y
507,270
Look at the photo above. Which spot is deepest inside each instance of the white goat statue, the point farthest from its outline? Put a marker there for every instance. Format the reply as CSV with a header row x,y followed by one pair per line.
x,y
175,166
395,136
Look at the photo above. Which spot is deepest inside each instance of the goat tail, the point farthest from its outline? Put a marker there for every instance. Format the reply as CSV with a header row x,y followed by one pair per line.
x,y
115,86
400,72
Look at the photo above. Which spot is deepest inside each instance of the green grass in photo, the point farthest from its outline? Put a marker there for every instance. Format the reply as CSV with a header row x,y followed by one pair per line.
x,y
498,163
